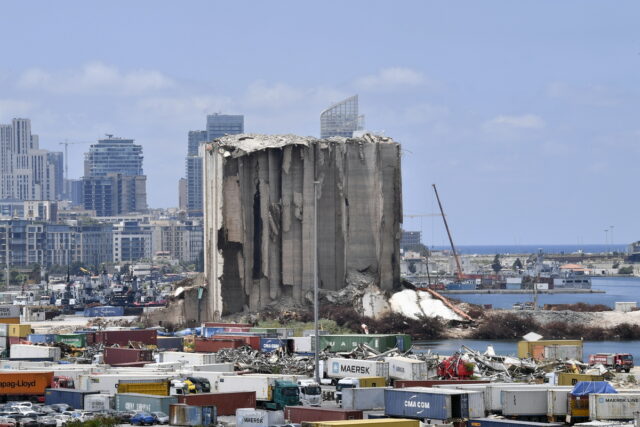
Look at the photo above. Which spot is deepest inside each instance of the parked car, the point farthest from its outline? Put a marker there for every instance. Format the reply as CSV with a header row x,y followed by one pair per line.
x,y
47,421
60,407
142,419
161,417
61,420
7,421
29,422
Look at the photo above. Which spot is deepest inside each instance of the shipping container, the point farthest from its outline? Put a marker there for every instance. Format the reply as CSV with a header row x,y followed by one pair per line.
x,y
104,311
362,398
404,368
343,368
268,345
524,402
9,320
213,345
73,398
227,403
9,311
187,358
299,414
41,338
433,403
34,352
107,383
536,349
73,340
227,325
117,356
4,330
499,422
433,383
19,330
210,331
248,417
558,402
379,342
214,367
90,336
613,406
566,378
381,422
151,386
144,402
25,383
563,352
122,338
170,343
252,341
185,415
493,393
98,402
260,383
303,345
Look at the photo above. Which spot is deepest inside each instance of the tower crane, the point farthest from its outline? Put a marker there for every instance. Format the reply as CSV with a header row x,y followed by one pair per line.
x,y
66,156
453,247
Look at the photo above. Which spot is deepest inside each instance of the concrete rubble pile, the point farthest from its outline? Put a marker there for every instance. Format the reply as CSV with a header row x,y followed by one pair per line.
x,y
259,218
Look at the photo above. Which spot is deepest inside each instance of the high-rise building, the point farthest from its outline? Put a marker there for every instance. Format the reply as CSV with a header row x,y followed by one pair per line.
x,y
57,159
26,172
218,125
113,181
182,194
341,119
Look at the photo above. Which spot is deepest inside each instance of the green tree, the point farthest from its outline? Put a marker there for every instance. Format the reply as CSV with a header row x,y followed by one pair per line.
x,y
517,265
495,265
625,270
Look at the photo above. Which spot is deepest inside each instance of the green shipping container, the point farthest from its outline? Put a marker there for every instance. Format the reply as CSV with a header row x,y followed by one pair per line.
x,y
379,342
73,340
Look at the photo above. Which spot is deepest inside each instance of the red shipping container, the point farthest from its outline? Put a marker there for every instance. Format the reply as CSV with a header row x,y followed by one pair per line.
x,y
214,345
299,414
116,356
227,325
252,341
14,340
122,338
227,403
431,383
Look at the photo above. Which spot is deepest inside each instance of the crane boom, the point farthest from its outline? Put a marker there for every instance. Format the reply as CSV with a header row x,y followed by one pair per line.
x,y
446,225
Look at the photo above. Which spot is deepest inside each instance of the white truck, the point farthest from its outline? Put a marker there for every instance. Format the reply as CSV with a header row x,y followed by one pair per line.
x,y
337,368
404,368
310,392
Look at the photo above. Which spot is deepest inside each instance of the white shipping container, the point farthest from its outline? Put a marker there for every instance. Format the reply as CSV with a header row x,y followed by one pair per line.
x,y
215,367
193,359
558,401
524,402
98,402
404,368
613,406
493,393
542,286
9,311
343,368
517,280
249,417
28,351
259,383
303,344
4,330
107,383
363,398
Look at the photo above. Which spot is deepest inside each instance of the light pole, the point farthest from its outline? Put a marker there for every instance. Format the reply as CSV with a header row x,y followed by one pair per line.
x,y
315,281
612,243
606,239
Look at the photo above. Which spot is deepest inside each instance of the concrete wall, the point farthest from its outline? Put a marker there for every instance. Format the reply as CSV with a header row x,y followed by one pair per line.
x,y
259,217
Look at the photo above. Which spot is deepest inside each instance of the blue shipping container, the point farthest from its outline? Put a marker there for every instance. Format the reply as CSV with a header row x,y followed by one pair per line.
x,y
461,286
420,404
41,338
104,311
267,345
73,398
210,331
493,422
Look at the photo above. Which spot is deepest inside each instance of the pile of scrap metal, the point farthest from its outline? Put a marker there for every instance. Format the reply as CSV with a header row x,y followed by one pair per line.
x,y
250,360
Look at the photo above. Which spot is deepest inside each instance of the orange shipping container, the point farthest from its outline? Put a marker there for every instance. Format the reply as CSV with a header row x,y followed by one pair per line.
x,y
10,320
25,383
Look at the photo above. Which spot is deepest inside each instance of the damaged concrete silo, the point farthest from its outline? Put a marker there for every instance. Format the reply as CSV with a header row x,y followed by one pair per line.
x,y
258,203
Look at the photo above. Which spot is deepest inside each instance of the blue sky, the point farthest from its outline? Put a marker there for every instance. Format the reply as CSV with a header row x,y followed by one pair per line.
x,y
524,113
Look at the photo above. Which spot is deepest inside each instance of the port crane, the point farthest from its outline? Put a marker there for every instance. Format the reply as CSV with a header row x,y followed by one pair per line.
x,y
459,273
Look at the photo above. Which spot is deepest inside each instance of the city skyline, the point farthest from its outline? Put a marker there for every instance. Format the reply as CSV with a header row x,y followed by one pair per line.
x,y
524,131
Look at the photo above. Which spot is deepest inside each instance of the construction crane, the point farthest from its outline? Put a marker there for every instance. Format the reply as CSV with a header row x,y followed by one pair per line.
x,y
420,215
453,247
66,156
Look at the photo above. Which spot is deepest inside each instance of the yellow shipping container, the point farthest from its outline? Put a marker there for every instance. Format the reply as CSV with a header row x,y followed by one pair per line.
x,y
159,388
380,422
566,378
373,381
10,320
20,331
535,349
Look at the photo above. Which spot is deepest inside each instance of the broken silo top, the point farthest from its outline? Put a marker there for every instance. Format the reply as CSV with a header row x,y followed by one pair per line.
x,y
259,217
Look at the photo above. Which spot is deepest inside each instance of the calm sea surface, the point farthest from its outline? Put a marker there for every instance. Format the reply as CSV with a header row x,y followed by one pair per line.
x,y
531,249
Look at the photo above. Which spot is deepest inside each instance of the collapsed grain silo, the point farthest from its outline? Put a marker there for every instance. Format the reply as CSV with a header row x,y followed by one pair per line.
x,y
259,217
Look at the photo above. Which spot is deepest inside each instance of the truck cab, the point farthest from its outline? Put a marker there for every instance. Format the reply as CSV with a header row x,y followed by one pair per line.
x,y
618,361
284,393
345,383
310,392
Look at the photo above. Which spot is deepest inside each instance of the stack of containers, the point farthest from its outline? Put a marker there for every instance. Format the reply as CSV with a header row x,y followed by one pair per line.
x,y
18,332
9,314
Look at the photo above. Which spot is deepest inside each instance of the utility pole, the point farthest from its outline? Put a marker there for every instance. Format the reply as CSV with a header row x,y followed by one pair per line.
x,y
315,281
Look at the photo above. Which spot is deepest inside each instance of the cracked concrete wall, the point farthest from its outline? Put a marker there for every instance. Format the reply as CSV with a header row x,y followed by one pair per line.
x,y
258,199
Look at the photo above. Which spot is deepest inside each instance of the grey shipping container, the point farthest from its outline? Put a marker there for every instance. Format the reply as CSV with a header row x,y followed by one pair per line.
x,y
170,343
493,393
4,330
9,311
613,406
249,417
524,402
497,422
433,403
363,398
144,402
73,398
